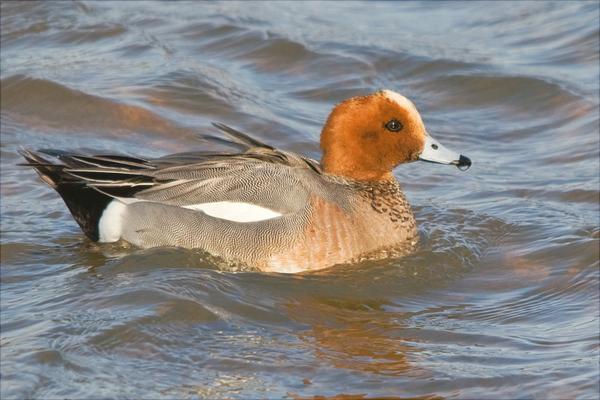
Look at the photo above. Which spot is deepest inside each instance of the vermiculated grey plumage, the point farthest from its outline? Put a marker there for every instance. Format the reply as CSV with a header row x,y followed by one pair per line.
x,y
156,190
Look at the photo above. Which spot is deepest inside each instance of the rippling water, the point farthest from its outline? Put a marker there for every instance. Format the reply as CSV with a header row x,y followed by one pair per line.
x,y
500,301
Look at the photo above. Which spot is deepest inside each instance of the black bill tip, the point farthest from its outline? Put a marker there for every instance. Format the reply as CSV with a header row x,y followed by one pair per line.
x,y
464,163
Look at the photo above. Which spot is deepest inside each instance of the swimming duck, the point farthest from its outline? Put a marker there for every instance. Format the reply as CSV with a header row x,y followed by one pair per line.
x,y
263,207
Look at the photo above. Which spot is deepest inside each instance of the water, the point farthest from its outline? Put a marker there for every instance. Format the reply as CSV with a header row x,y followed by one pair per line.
x,y
500,301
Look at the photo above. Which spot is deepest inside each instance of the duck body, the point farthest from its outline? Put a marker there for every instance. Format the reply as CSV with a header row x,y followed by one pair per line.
x,y
263,207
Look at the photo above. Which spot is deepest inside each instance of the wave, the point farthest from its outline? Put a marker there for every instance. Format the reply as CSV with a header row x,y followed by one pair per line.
x,y
49,106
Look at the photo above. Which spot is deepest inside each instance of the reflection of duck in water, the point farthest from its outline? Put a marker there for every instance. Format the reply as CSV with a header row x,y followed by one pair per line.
x,y
264,207
351,335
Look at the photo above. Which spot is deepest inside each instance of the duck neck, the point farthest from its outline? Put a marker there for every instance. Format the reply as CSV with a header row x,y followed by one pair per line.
x,y
354,168
386,198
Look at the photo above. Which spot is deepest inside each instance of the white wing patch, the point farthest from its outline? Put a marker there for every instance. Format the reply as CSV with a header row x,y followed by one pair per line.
x,y
110,224
235,211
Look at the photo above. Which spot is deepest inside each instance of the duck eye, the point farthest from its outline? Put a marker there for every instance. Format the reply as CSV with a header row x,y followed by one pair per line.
x,y
393,125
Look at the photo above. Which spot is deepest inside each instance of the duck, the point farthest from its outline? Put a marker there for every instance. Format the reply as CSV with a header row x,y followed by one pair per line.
x,y
259,206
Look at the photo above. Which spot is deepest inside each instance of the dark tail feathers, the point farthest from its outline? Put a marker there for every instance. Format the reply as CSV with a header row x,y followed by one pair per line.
x,y
85,203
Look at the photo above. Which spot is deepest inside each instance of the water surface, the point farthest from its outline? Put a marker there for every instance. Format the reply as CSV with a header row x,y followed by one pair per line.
x,y
501,299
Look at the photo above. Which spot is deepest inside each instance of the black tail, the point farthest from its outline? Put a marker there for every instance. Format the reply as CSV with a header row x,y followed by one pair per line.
x,y
85,203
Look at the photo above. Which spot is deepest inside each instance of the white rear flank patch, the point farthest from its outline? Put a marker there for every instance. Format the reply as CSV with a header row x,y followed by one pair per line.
x,y
235,211
110,224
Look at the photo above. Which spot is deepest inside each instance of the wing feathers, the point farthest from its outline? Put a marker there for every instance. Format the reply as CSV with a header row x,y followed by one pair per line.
x,y
261,175
240,137
110,162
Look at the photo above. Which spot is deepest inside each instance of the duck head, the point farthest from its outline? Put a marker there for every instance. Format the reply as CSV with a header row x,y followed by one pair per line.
x,y
366,137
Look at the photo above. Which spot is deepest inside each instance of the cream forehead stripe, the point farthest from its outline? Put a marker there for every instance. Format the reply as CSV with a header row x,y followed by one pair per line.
x,y
402,102
399,99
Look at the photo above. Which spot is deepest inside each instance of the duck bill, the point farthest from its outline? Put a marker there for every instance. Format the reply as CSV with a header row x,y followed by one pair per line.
x,y
436,153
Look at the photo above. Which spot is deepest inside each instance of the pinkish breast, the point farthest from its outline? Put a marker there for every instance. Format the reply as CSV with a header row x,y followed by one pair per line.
x,y
335,236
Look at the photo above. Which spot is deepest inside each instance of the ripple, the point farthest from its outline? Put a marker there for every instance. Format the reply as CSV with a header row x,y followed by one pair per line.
x,y
34,101
522,95
500,297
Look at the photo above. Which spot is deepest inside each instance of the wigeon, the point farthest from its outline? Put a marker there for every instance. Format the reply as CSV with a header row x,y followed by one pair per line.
x,y
263,207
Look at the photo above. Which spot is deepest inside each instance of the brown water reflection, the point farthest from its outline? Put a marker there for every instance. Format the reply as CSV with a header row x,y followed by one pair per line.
x,y
354,335
501,299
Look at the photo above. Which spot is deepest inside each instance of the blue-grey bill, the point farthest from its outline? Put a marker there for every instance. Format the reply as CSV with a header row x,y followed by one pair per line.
x,y
436,153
